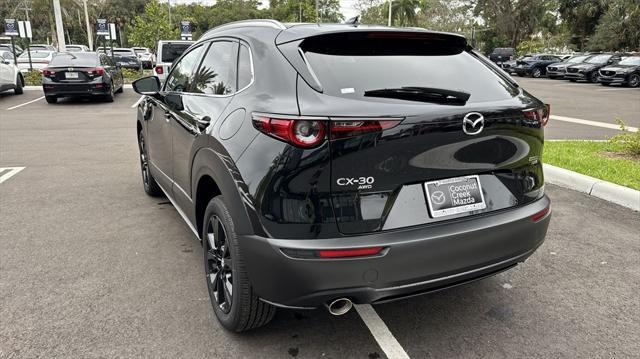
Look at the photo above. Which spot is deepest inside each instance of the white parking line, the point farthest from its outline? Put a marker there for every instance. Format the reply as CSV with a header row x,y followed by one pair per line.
x,y
137,102
24,104
612,126
614,89
387,342
11,173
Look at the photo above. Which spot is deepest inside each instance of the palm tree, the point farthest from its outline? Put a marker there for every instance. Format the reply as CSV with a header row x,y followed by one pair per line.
x,y
405,11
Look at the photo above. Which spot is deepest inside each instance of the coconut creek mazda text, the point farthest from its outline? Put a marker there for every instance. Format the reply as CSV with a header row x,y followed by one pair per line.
x,y
325,165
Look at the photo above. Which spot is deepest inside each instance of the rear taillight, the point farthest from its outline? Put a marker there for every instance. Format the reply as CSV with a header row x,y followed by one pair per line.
x,y
309,132
159,70
46,72
540,114
96,71
305,132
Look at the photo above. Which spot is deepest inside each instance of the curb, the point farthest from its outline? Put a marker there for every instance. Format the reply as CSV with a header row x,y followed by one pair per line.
x,y
608,191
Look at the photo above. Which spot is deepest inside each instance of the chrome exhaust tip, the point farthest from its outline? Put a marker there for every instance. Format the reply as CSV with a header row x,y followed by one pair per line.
x,y
339,306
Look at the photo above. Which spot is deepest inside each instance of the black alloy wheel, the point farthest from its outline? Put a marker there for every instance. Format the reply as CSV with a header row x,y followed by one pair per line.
x,y
593,77
634,80
218,264
536,73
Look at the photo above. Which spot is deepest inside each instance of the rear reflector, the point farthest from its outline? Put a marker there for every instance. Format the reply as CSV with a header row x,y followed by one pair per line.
x,y
540,215
356,252
159,70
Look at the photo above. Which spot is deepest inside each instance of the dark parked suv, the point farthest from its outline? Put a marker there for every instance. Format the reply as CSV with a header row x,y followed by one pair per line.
x,y
588,70
534,65
331,164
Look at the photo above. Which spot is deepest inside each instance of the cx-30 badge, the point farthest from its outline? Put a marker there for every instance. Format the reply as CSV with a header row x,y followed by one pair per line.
x,y
473,123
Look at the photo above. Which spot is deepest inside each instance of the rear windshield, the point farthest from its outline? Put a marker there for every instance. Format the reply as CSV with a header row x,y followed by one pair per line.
x,y
347,66
504,50
171,51
126,56
35,55
140,51
72,48
78,59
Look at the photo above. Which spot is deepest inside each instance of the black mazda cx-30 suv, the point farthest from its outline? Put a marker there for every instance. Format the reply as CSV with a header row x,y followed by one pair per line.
x,y
339,164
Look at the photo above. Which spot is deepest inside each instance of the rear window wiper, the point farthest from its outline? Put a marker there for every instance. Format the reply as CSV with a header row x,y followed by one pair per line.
x,y
422,94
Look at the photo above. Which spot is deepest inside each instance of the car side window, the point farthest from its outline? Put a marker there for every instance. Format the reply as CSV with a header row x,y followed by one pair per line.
x,y
245,70
182,77
217,74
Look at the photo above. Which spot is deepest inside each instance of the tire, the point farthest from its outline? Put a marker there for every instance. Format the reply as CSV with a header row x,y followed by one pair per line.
x,y
244,310
593,77
148,182
109,97
51,99
536,73
19,90
634,80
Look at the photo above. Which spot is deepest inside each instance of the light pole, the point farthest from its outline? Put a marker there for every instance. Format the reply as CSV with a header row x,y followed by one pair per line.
x,y
86,19
390,2
59,28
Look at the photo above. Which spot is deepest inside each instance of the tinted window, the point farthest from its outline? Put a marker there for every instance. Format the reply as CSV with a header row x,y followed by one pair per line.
x,y
78,59
353,67
245,71
181,77
170,52
216,75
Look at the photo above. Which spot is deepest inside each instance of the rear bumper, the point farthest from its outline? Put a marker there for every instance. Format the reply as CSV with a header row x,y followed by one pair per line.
x,y
416,260
60,90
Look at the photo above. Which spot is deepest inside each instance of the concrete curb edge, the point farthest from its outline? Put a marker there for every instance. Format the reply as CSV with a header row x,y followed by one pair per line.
x,y
608,191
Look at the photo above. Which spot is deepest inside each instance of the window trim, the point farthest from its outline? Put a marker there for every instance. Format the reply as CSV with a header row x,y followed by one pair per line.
x,y
199,62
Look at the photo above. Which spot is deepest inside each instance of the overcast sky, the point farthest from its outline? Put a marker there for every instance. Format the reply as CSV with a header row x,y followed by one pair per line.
x,y
346,6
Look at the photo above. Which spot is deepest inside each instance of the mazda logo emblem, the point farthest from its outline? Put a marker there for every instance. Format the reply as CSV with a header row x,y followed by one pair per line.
x,y
473,123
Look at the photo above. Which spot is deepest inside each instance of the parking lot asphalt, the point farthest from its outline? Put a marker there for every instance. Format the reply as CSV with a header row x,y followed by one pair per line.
x,y
92,267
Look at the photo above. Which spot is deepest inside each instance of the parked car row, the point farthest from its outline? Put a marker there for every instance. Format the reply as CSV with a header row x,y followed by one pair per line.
x,y
603,68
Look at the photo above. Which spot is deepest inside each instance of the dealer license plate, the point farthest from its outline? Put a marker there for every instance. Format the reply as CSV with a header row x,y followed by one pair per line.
x,y
454,195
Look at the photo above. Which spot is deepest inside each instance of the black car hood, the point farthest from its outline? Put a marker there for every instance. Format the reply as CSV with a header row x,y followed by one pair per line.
x,y
585,66
621,68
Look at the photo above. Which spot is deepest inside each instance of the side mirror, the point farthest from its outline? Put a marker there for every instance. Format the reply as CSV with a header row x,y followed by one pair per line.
x,y
174,101
149,85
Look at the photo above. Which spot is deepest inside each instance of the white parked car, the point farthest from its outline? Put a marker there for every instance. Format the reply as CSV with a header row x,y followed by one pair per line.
x,y
39,60
10,76
168,51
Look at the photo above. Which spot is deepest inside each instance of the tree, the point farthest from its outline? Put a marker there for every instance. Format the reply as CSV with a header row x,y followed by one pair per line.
x,y
153,25
582,17
618,28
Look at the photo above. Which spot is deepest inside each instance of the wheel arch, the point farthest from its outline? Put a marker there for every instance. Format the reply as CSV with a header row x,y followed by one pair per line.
x,y
214,174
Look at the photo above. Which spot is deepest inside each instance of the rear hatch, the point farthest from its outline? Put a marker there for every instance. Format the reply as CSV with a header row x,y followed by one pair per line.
x,y
422,129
